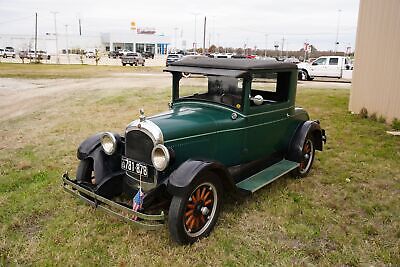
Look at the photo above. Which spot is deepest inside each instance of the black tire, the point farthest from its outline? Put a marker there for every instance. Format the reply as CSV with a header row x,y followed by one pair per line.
x,y
143,64
131,65
186,213
123,64
85,175
307,158
135,64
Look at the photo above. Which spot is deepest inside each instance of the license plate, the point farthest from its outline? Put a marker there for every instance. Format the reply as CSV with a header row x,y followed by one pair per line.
x,y
133,166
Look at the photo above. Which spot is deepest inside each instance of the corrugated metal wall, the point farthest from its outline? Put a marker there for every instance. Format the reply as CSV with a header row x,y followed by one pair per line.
x,y
376,76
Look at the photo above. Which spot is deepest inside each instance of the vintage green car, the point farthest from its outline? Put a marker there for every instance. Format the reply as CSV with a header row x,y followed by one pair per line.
x,y
232,127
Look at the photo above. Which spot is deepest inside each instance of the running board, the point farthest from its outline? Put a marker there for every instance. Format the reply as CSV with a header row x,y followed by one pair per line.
x,y
266,176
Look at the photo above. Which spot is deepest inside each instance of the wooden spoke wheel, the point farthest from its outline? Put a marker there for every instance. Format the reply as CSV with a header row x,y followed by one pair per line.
x,y
307,158
200,209
193,215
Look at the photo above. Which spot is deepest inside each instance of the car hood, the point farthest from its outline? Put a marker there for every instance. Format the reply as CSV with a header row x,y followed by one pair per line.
x,y
184,121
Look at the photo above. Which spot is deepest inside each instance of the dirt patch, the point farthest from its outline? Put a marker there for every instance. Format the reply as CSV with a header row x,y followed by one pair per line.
x,y
23,96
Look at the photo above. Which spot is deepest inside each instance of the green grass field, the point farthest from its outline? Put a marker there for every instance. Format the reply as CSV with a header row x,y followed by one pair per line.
x,y
345,213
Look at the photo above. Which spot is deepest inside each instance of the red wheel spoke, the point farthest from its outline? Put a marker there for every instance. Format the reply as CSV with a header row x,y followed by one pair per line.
x,y
192,223
203,193
188,221
207,194
190,206
190,212
208,202
198,194
202,220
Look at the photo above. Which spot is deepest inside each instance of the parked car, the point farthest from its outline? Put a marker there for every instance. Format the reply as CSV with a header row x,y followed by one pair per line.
x,y
132,59
123,52
172,58
292,60
26,54
113,54
9,52
1,52
43,55
327,66
148,54
90,54
235,134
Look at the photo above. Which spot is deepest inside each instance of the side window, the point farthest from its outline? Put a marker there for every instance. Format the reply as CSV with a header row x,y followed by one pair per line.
x,y
333,61
320,61
272,87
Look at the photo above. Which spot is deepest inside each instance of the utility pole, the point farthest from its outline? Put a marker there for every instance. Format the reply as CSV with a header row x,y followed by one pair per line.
x,y
266,45
337,31
204,35
66,40
80,27
55,32
36,36
195,31
176,37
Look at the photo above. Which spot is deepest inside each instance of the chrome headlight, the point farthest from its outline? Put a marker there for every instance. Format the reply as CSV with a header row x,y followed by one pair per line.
x,y
160,157
109,143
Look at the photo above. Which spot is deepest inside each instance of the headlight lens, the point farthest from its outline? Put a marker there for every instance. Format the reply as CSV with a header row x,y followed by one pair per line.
x,y
109,143
160,157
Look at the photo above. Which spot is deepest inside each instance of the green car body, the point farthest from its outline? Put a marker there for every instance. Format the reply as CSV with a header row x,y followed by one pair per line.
x,y
229,138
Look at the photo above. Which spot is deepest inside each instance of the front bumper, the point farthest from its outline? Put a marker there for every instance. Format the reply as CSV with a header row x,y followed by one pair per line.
x,y
148,221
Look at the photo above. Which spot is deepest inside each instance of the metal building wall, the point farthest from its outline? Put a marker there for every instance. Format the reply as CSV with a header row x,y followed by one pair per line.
x,y
376,76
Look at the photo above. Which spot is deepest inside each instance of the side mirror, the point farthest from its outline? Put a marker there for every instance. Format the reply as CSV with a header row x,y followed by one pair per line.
x,y
257,100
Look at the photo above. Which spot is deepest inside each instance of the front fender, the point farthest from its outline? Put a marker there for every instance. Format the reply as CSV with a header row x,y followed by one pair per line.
x,y
88,146
297,143
184,176
105,166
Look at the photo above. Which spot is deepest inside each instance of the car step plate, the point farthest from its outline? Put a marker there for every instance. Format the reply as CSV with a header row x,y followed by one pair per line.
x,y
268,175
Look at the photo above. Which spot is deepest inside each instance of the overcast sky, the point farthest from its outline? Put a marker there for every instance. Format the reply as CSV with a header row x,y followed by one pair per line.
x,y
229,23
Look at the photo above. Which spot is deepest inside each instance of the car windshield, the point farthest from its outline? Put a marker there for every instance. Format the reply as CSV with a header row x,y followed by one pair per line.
x,y
173,56
218,89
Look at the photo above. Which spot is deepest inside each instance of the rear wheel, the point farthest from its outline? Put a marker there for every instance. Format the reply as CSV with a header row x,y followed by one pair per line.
x,y
193,215
123,64
307,158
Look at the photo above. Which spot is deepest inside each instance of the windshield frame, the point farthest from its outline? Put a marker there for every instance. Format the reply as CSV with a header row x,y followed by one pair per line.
x,y
176,98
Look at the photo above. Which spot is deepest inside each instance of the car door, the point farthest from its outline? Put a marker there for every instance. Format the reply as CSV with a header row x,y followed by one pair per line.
x,y
333,68
318,67
267,122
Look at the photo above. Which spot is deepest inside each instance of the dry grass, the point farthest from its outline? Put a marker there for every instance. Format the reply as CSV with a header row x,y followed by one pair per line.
x,y
52,71
346,213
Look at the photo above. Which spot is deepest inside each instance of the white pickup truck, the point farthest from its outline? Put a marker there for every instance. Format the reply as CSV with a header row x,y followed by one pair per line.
x,y
329,66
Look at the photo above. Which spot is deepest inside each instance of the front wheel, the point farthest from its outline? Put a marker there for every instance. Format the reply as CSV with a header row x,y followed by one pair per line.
x,y
193,215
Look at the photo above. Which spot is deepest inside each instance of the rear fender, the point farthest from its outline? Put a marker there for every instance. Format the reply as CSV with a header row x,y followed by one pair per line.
x,y
184,176
296,145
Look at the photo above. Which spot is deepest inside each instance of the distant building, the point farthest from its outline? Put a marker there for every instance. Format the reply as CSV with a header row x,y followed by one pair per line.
x,y
130,40
376,76
137,42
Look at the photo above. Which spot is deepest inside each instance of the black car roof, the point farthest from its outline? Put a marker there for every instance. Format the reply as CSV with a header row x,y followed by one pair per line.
x,y
226,66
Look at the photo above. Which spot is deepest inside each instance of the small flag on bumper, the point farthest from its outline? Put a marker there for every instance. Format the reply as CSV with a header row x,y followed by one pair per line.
x,y
137,202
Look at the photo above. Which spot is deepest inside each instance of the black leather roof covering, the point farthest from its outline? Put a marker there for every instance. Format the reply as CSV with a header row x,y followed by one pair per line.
x,y
230,64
